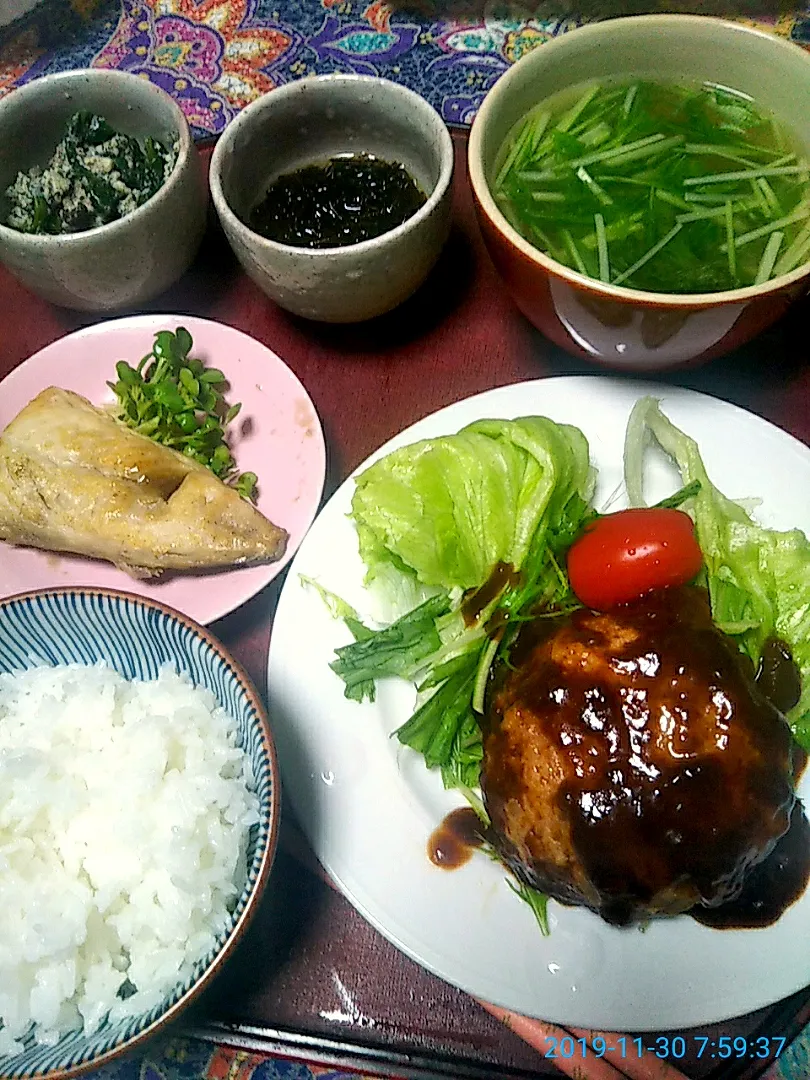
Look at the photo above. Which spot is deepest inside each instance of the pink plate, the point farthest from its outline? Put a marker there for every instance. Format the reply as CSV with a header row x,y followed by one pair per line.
x,y
277,435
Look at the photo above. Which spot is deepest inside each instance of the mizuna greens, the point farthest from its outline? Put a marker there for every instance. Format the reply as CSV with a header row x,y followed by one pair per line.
x,y
437,519
468,535
668,188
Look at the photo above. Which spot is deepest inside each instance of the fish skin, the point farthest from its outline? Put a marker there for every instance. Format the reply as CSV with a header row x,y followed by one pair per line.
x,y
74,479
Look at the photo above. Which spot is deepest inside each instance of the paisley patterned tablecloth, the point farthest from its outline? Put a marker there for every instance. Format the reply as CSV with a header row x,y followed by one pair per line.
x,y
191,1059
216,56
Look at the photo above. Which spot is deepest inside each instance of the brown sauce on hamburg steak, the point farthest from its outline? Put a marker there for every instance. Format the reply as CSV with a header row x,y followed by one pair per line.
x,y
631,763
770,887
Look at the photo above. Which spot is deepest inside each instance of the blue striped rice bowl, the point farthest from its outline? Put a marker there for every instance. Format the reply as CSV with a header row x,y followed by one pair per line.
x,y
137,638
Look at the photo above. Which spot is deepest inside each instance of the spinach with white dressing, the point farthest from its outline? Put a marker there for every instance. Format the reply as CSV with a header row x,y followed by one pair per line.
x,y
96,175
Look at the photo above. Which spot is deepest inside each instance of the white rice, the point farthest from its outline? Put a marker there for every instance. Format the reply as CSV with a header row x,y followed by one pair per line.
x,y
124,811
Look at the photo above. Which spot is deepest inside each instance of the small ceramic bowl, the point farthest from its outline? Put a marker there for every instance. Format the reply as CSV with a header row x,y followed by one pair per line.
x,y
137,637
127,261
617,326
308,122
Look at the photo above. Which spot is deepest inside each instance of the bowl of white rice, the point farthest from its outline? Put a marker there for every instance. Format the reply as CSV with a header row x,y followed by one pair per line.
x,y
139,809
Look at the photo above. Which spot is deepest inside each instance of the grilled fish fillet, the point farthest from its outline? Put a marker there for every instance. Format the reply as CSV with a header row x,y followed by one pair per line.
x,y
74,479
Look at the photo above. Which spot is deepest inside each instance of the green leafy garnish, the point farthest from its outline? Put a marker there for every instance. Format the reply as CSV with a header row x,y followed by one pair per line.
x,y
682,495
397,650
536,900
758,579
660,187
175,400
442,514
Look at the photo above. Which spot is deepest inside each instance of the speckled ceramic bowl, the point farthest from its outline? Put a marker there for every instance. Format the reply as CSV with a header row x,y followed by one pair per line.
x,y
128,261
137,637
307,122
614,325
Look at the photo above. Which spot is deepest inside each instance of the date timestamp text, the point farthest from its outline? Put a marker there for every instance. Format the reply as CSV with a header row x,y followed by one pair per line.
x,y
674,1047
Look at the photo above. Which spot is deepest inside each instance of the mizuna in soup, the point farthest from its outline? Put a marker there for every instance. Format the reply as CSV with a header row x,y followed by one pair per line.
x,y
661,187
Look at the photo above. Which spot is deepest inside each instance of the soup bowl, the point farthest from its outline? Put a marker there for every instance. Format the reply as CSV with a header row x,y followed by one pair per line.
x,y
611,324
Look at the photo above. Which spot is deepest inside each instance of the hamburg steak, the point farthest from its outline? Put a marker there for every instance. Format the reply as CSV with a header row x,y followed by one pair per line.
x,y
631,764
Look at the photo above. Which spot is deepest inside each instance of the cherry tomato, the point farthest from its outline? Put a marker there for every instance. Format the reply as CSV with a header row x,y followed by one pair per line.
x,y
622,556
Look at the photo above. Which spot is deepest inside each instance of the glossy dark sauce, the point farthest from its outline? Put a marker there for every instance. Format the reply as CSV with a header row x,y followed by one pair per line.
x,y
647,809
342,201
478,599
778,677
769,888
454,841
780,879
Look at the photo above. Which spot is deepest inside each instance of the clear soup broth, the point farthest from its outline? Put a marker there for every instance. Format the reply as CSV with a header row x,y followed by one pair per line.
x,y
658,186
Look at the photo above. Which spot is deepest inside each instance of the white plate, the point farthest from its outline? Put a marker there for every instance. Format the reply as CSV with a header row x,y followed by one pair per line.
x,y
369,805
277,435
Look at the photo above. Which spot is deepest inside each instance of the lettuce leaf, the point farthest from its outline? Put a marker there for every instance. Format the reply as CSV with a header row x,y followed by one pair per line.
x,y
445,511
758,578
434,520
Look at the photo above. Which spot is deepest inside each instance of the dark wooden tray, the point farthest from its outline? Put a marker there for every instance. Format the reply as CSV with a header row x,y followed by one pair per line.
x,y
312,979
